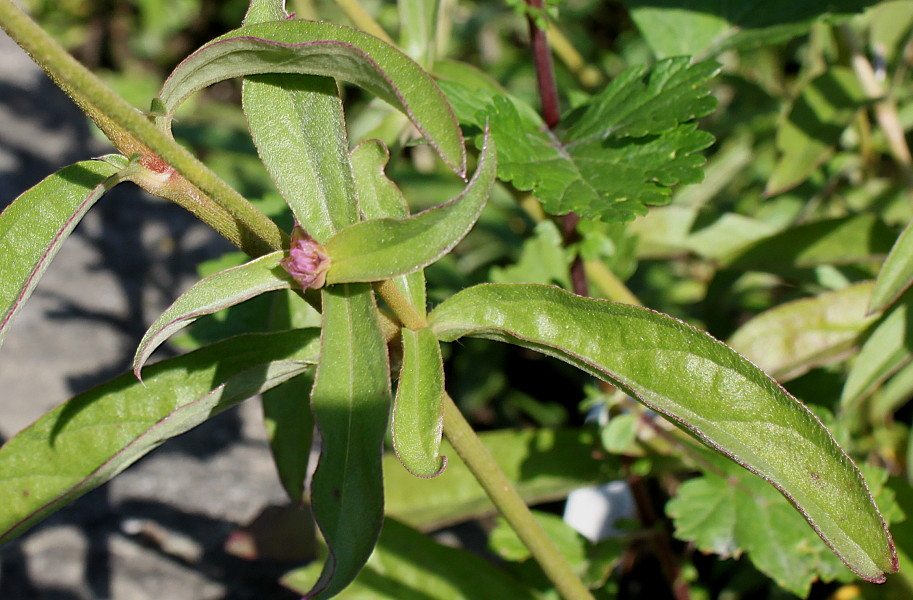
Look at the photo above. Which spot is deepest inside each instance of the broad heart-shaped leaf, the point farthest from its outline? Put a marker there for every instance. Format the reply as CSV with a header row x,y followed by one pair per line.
x,y
896,273
34,225
307,47
94,436
211,294
613,156
418,413
789,339
351,404
887,349
410,565
699,384
676,27
382,248
727,511
544,465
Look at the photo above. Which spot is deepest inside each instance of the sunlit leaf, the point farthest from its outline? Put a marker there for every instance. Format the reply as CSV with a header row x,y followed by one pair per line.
x,y
699,384
896,273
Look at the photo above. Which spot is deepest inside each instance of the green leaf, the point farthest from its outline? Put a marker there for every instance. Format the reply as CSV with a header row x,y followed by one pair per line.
x,y
408,565
612,157
418,417
888,348
289,428
221,290
94,436
726,511
380,198
34,225
840,241
544,464
382,248
808,135
706,27
418,25
351,403
543,259
306,47
896,273
699,384
788,340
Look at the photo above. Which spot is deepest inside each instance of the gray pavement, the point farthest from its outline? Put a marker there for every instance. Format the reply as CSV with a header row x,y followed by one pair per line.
x,y
157,530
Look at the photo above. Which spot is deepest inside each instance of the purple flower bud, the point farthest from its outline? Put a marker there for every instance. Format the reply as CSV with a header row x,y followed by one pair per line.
x,y
307,261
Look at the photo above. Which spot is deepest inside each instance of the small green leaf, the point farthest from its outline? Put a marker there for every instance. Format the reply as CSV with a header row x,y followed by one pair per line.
x,y
896,273
96,435
382,248
788,340
34,225
380,198
699,384
351,403
221,290
543,259
544,464
307,47
409,565
887,349
843,240
418,417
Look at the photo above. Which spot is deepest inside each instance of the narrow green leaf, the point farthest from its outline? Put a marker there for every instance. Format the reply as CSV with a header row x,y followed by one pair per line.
x,y
418,22
843,240
306,47
544,464
888,348
408,565
351,404
380,198
382,248
418,417
896,273
93,437
788,340
699,384
289,428
34,225
221,290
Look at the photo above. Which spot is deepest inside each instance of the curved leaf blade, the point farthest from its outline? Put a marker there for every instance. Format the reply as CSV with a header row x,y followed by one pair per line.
x,y
896,273
351,404
96,435
35,225
418,411
212,294
699,384
788,340
382,248
307,47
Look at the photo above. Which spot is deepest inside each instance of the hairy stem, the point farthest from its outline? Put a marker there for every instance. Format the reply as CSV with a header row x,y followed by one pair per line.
x,y
509,503
192,184
400,305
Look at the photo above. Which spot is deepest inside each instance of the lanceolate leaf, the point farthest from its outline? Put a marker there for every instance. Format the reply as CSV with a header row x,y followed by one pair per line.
x,y
34,225
221,290
380,198
93,437
418,417
896,273
701,385
351,404
788,340
382,248
306,47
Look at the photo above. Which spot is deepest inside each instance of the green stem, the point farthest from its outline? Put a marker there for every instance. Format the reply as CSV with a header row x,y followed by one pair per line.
x,y
202,192
363,20
509,503
400,305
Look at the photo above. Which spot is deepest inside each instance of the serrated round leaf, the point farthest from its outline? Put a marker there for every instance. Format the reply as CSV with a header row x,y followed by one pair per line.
x,y
307,47
211,294
383,248
701,385
94,436
34,225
